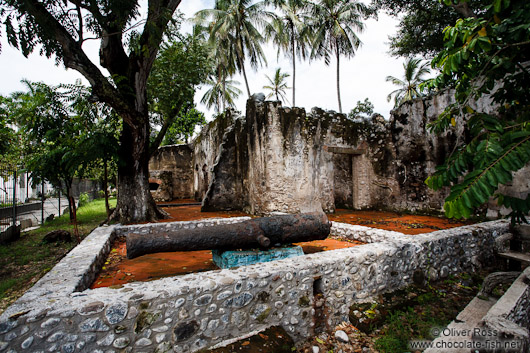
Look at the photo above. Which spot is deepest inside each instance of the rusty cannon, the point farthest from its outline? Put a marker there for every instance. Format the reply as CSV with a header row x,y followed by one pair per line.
x,y
260,233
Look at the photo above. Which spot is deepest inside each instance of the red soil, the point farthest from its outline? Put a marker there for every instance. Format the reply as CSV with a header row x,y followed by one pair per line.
x,y
119,270
193,213
408,224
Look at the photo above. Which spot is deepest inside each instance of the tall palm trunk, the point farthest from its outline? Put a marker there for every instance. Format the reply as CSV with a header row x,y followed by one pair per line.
x,y
294,64
242,63
338,80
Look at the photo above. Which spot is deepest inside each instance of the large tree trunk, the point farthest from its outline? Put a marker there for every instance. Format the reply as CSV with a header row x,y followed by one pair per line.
x,y
135,203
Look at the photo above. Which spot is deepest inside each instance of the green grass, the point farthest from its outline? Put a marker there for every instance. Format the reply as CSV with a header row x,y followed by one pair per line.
x,y
23,262
403,326
6,285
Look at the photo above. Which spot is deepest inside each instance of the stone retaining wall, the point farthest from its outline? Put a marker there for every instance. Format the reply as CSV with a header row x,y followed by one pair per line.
x,y
509,318
190,312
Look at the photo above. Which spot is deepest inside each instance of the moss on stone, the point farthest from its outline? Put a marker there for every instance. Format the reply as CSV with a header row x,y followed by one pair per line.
x,y
261,317
145,320
304,302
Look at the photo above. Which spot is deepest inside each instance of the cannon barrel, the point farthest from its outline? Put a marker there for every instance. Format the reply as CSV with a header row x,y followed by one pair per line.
x,y
254,233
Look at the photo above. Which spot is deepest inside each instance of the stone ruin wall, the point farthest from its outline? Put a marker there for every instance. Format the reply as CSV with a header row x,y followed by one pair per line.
x,y
279,159
171,169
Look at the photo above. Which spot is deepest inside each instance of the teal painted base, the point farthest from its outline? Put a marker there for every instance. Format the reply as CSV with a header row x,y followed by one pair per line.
x,y
234,258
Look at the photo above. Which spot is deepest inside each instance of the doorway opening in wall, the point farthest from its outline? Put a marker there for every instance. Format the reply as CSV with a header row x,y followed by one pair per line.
x,y
343,180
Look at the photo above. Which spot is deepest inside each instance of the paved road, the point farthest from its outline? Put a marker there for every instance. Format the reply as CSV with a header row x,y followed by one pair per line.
x,y
51,206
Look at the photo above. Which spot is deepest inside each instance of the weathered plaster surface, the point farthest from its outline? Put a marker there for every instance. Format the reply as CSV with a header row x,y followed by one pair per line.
x,y
279,159
172,167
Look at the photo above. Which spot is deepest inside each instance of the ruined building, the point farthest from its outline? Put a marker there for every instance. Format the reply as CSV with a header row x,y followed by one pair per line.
x,y
279,159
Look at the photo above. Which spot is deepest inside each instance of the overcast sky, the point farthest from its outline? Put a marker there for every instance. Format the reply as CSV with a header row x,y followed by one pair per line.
x,y
362,77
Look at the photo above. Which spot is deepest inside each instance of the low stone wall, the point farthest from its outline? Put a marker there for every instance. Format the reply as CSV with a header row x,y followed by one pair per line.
x,y
191,312
509,318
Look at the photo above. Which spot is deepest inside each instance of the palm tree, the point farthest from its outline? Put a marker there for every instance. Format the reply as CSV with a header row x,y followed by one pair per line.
x,y
277,85
290,32
222,92
335,23
234,24
410,88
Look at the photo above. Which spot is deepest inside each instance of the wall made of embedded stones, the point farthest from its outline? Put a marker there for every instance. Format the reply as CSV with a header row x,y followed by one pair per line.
x,y
195,311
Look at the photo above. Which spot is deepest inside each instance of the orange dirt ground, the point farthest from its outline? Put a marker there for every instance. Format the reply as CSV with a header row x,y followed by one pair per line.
x,y
119,270
407,224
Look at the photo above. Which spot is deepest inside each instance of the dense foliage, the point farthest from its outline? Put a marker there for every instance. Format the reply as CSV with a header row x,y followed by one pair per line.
x,y
7,134
62,133
486,55
180,68
421,23
184,126
61,29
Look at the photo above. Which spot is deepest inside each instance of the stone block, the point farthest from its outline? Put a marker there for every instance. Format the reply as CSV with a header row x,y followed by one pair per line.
x,y
236,258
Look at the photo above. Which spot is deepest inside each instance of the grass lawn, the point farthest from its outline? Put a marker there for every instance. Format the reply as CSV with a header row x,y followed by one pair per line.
x,y
25,261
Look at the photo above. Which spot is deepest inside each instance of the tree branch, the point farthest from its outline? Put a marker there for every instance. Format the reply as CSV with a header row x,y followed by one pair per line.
x,y
464,9
159,13
75,58
161,134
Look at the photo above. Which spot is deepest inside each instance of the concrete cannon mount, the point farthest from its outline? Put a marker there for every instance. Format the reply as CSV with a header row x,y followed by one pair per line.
x,y
191,312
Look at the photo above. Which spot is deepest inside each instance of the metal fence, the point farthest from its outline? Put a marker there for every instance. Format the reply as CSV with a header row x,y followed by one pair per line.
x,y
24,204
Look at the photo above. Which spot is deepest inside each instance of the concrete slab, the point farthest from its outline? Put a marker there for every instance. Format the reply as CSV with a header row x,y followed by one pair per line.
x,y
236,258
521,257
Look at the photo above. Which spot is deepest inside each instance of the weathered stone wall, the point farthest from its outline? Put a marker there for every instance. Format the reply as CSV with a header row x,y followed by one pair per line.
x,y
172,168
418,152
289,170
211,149
281,159
191,312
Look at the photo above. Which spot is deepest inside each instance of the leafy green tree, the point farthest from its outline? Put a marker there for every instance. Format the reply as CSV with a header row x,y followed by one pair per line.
x,y
234,26
291,33
61,28
410,86
336,24
181,66
421,23
7,134
486,55
98,144
51,136
277,85
363,109
184,127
